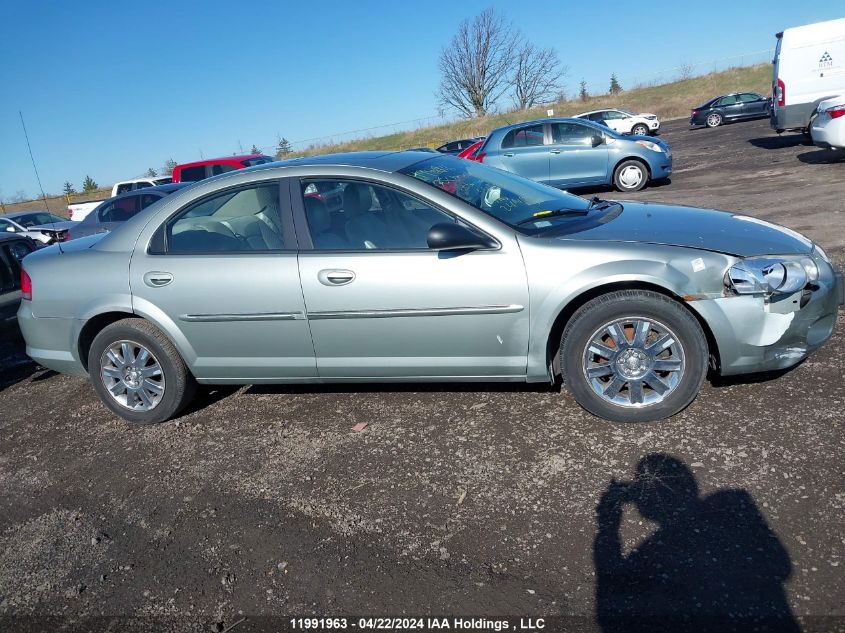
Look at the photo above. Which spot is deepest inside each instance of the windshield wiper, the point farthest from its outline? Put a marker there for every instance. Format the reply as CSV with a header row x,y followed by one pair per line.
x,y
553,213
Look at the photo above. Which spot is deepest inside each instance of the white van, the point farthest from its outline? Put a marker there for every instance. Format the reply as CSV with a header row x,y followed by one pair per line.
x,y
809,67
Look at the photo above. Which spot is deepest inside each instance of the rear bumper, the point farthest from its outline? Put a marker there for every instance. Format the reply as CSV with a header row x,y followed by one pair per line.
x,y
791,117
830,135
51,342
754,336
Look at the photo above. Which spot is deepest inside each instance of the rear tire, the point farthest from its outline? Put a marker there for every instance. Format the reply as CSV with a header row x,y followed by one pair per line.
x,y
138,372
639,130
630,175
633,356
714,119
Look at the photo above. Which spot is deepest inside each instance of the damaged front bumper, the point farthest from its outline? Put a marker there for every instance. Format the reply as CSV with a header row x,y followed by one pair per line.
x,y
755,333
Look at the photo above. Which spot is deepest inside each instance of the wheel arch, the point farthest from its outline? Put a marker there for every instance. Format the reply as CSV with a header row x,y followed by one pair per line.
x,y
96,323
93,326
567,311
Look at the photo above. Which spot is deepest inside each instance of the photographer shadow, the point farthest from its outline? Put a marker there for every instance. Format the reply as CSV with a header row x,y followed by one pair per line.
x,y
713,563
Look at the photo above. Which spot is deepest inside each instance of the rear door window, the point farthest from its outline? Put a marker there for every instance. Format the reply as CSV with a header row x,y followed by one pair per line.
x,y
749,97
524,137
728,101
190,174
123,188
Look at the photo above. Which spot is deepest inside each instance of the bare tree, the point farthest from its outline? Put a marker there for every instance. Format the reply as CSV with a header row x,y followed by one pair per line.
x,y
477,66
537,75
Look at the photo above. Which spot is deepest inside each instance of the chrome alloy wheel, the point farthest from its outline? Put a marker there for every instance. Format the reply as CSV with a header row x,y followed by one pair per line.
x,y
713,120
132,375
640,130
631,176
633,362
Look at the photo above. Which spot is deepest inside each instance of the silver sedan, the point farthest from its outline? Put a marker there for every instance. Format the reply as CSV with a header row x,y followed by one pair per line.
x,y
411,267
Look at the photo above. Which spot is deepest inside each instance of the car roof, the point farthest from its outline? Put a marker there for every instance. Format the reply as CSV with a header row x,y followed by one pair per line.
x,y
167,188
19,214
508,128
575,116
222,159
387,161
11,237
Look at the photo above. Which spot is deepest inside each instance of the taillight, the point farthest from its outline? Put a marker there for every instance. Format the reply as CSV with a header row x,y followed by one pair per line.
x,y
694,112
480,157
836,111
26,286
780,93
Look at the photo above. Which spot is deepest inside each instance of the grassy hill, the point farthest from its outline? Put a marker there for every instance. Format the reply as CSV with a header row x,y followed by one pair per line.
x,y
670,100
667,101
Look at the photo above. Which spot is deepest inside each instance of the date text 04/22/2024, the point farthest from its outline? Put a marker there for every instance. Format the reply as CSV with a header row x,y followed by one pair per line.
x,y
525,625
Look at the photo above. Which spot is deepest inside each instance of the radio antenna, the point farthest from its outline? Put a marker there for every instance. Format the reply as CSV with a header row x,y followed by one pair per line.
x,y
38,178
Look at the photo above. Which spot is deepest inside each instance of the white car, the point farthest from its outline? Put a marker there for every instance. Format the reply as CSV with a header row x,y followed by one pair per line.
x,y
624,122
41,226
828,129
80,210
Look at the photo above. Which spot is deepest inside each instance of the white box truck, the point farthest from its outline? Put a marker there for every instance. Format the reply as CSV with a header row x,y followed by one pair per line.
x,y
809,67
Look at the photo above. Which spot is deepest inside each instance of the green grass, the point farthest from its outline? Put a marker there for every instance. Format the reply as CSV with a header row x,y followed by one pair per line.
x,y
667,101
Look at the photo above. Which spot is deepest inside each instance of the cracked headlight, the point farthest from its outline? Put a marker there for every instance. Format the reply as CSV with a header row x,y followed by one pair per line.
x,y
770,275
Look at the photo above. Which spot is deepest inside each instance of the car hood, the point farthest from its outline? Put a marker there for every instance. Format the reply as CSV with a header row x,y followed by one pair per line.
x,y
53,226
689,227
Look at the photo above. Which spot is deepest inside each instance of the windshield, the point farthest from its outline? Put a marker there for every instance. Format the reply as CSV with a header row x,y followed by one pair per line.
x,y
509,198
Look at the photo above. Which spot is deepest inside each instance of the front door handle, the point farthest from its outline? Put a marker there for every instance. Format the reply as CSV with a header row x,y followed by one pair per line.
x,y
157,279
555,151
509,154
335,277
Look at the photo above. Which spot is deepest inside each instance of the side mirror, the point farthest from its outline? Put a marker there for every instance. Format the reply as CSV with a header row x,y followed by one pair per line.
x,y
451,236
10,229
598,139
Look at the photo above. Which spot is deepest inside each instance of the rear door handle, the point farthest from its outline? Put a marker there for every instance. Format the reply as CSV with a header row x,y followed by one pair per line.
x,y
555,151
157,279
508,154
335,277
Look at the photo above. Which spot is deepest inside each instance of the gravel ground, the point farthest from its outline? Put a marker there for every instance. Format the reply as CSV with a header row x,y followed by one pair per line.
x,y
493,501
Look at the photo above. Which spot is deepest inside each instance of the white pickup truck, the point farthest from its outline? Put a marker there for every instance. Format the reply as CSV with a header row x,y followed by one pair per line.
x,y
78,211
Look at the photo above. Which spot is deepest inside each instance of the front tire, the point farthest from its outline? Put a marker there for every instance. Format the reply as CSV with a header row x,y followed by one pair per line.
x,y
633,356
639,130
714,119
138,373
630,175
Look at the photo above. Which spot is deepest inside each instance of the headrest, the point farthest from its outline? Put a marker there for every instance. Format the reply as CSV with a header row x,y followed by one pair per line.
x,y
318,214
357,199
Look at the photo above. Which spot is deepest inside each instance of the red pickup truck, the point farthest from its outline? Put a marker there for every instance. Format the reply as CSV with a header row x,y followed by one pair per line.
x,y
199,170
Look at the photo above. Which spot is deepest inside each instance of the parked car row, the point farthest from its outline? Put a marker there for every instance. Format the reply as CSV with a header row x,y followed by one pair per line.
x,y
415,266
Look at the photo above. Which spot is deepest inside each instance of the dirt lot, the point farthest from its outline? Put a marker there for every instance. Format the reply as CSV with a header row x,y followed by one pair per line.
x,y
477,501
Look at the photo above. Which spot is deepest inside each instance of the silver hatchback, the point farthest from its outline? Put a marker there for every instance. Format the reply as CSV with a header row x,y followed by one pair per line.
x,y
412,267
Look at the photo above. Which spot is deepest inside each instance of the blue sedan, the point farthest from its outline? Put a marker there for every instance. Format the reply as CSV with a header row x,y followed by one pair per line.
x,y
577,153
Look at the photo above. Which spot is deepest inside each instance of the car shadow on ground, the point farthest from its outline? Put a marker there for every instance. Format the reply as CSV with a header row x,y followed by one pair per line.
x,y
780,141
607,189
407,387
718,381
823,157
711,564
15,365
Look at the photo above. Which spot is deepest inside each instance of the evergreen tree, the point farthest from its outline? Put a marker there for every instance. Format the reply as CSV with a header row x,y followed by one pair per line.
x,y
169,164
615,88
582,91
68,189
151,173
88,184
254,150
283,149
